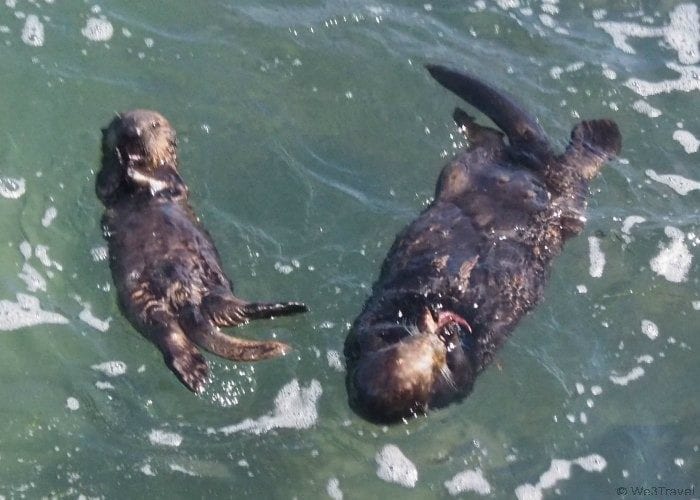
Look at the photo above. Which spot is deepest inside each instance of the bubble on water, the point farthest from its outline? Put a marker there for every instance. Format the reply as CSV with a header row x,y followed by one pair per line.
x,y
596,390
33,31
98,30
469,480
26,312
159,437
559,470
596,256
609,73
104,386
334,360
674,260
678,183
283,268
580,388
295,408
650,329
686,139
333,489
72,404
12,188
147,470
394,467
99,253
111,368
633,374
508,4
582,289
645,358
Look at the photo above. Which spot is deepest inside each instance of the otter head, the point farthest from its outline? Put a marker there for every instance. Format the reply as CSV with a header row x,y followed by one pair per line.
x,y
412,368
139,152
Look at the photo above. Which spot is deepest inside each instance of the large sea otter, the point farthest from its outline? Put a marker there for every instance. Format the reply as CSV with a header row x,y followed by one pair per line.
x,y
458,278
165,267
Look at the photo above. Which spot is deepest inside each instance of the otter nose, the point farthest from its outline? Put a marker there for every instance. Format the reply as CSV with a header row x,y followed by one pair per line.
x,y
133,131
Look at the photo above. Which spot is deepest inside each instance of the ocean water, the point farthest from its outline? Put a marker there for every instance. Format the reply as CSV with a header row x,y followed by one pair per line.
x,y
310,134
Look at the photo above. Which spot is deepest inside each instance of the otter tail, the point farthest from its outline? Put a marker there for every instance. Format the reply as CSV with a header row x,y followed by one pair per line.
x,y
522,130
230,311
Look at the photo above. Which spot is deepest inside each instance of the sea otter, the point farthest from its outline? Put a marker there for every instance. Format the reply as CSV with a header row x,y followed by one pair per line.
x,y
458,278
166,269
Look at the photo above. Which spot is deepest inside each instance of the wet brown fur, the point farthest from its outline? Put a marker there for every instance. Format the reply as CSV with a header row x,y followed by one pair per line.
x,y
167,272
481,252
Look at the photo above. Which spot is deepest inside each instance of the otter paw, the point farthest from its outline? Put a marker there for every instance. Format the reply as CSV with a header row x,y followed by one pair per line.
x,y
191,369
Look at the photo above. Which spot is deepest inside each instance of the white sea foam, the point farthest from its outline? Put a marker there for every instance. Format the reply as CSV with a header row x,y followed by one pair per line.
x,y
630,221
633,374
98,30
333,489
559,470
72,404
295,408
678,183
643,107
49,216
111,368
597,257
26,312
183,470
42,253
682,33
32,278
650,329
686,82
33,31
12,188
164,438
90,319
394,467
674,260
686,139
469,480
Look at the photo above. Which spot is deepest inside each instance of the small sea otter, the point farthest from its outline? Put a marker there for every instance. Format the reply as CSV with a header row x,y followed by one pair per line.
x,y
458,278
166,269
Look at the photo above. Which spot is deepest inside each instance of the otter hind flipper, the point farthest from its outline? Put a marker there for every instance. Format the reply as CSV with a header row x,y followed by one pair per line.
x,y
208,337
522,130
231,311
184,359
477,135
592,143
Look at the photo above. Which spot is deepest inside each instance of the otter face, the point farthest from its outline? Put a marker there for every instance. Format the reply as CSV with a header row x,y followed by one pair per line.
x,y
139,150
427,367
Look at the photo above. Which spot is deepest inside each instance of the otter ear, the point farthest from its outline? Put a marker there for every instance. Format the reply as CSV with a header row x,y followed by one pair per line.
x,y
454,180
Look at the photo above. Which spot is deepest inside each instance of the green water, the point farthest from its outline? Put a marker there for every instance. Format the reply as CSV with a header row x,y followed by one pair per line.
x,y
309,135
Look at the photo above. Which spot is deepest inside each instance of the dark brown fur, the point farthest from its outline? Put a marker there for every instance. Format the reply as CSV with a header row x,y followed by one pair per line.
x,y
166,269
458,278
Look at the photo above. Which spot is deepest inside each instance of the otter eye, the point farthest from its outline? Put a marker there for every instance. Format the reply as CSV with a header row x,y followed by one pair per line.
x,y
502,180
155,125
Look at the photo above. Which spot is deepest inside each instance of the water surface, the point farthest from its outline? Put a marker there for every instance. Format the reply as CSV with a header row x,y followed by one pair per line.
x,y
310,135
